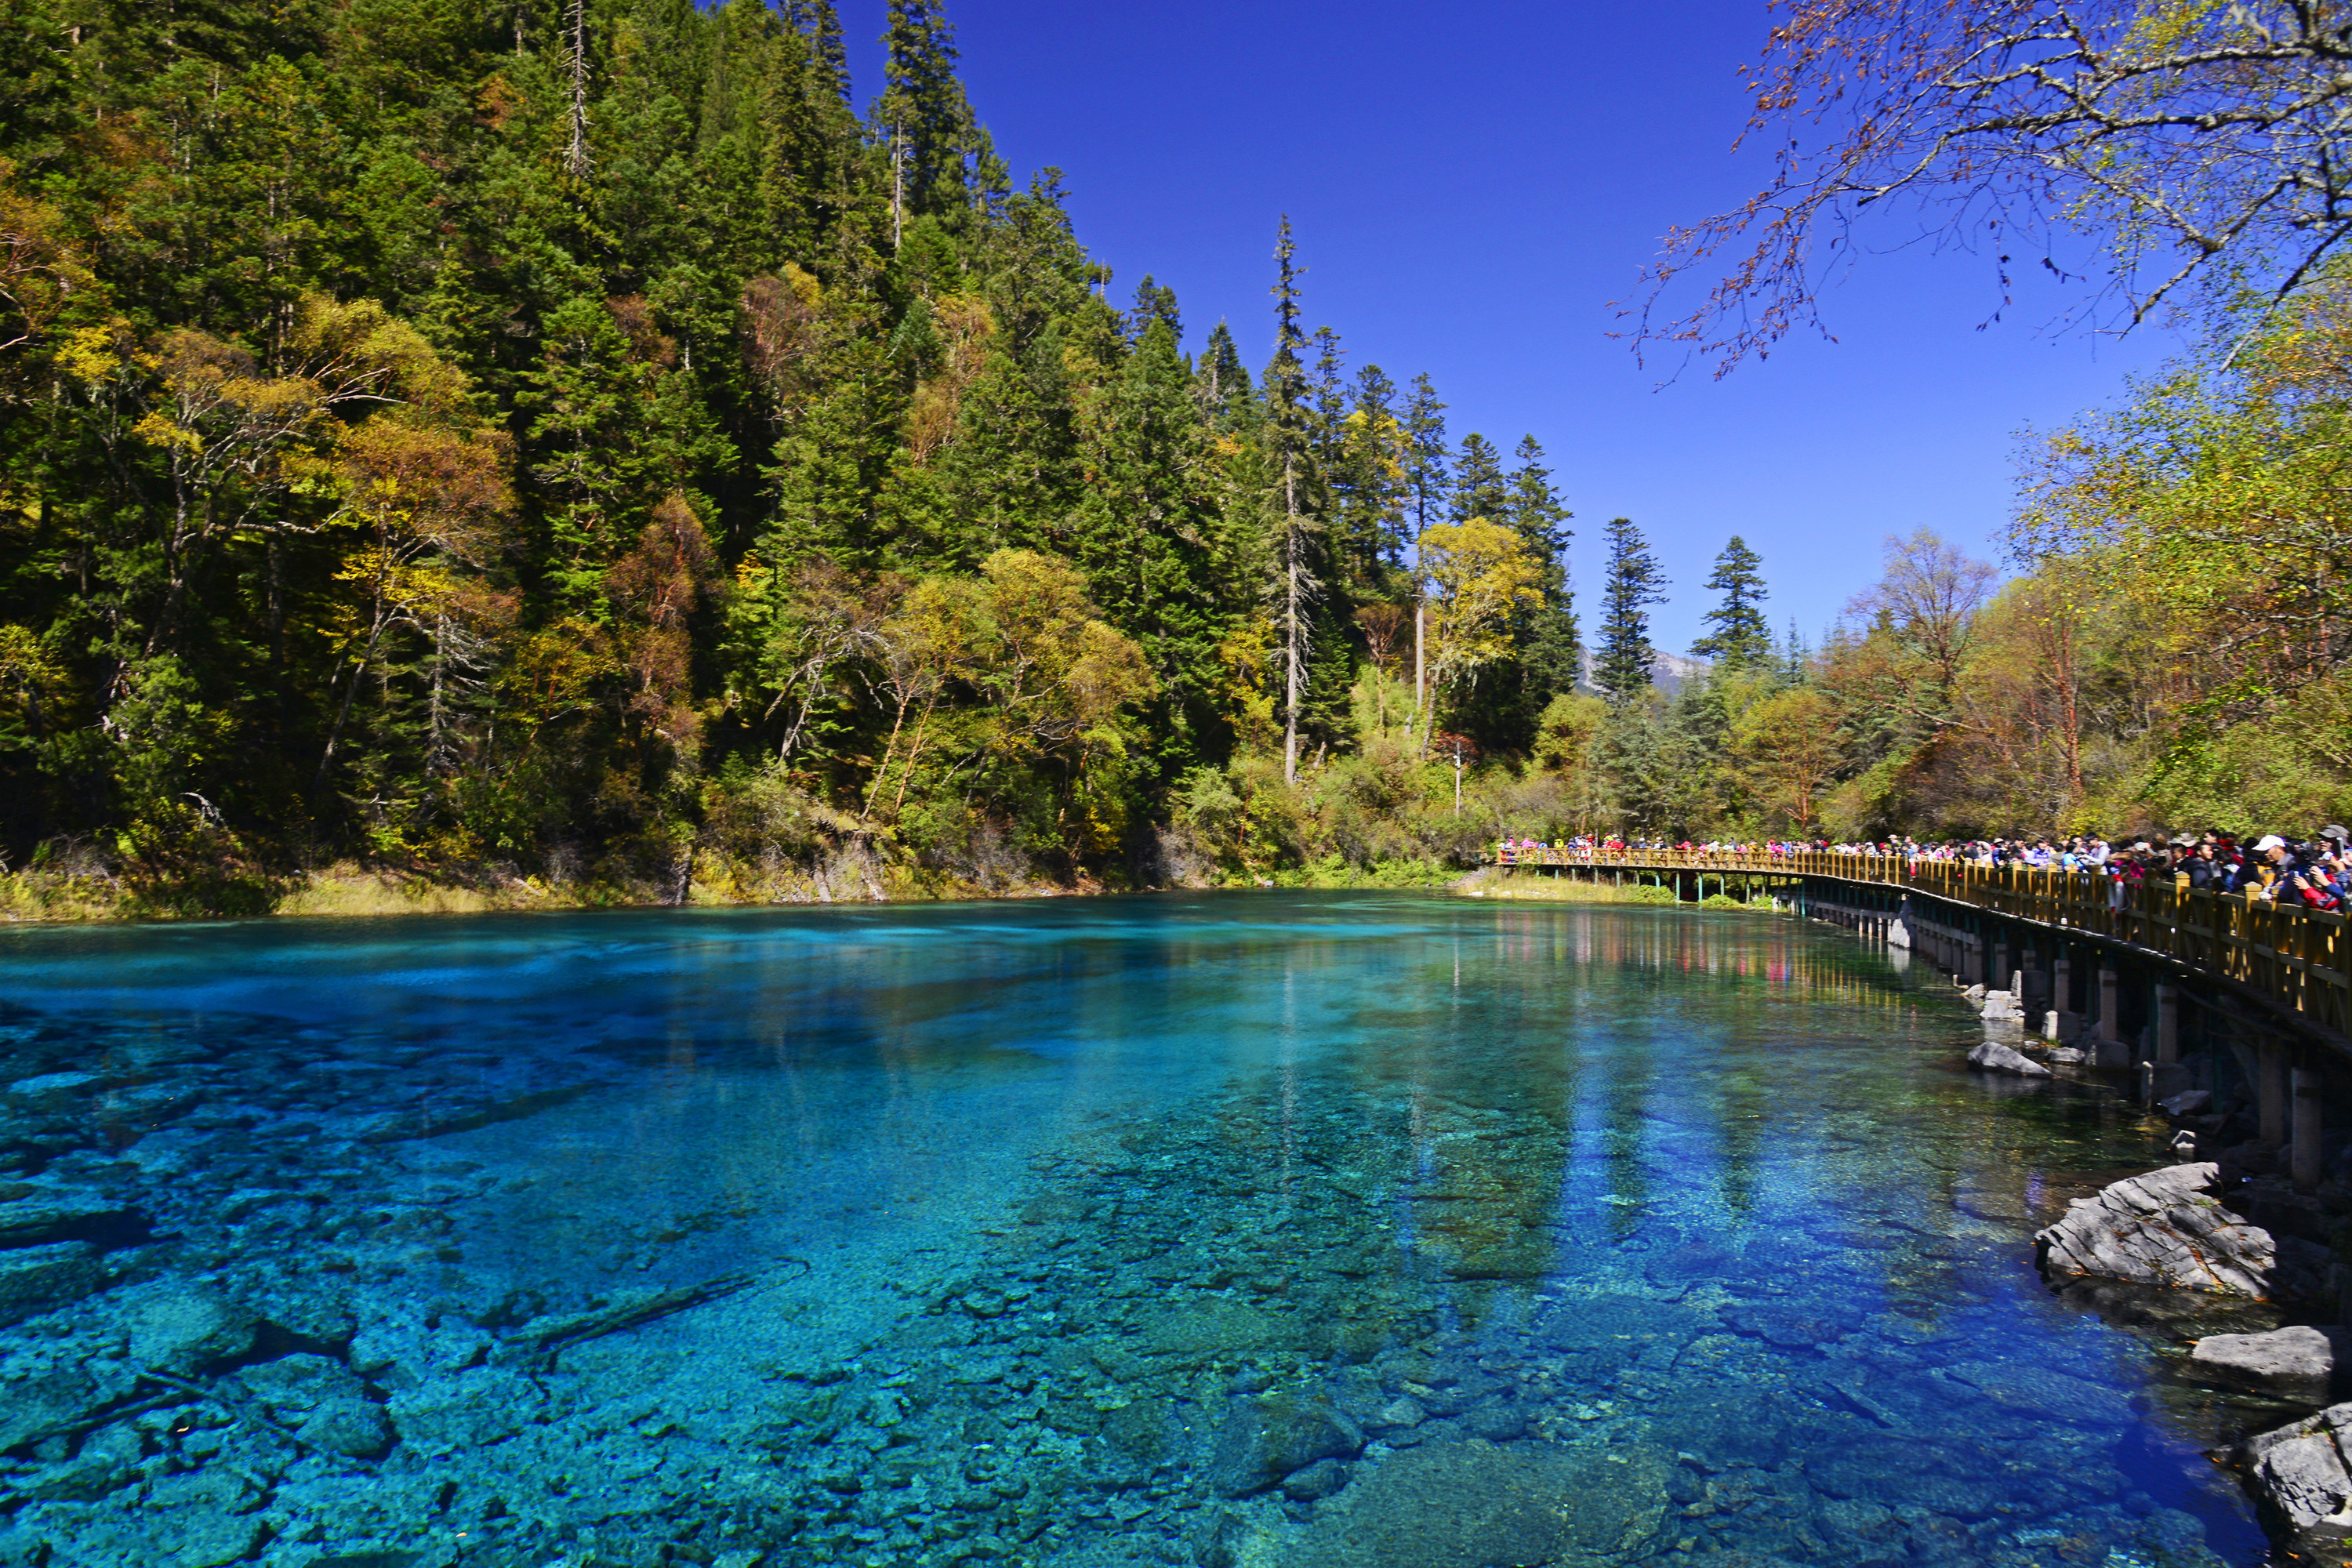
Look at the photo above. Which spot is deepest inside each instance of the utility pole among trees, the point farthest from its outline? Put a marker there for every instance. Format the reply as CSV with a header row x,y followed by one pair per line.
x,y
1286,386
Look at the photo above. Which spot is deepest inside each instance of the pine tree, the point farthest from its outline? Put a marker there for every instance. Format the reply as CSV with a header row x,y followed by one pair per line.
x,y
1633,582
1289,425
1220,384
1424,429
1367,485
1155,304
1479,489
921,113
817,20
1327,397
1548,649
1741,638
1151,541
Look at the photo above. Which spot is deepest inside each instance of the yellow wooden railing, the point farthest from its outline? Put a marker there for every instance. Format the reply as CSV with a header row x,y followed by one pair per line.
x,y
2298,959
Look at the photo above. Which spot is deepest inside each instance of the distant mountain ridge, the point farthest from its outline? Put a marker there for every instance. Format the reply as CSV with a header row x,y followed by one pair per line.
x,y
1667,670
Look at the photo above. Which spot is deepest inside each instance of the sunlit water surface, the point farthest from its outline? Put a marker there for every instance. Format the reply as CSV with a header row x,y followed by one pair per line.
x,y
1339,1229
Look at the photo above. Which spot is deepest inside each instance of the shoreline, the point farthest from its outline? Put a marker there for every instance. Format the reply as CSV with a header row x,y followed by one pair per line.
x,y
349,890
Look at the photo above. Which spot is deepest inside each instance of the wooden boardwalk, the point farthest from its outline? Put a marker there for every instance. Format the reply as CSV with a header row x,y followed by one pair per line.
x,y
2297,962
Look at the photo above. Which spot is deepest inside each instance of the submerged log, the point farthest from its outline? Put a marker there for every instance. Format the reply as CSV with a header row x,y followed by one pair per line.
x,y
542,1342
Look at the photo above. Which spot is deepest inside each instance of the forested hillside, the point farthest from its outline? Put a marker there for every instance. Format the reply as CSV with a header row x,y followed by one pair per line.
x,y
575,440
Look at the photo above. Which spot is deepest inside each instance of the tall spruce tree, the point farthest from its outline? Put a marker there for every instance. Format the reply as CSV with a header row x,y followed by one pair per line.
x,y
1289,428
1425,478
1741,638
1155,302
1220,384
1631,582
1479,487
1549,653
1151,541
1368,486
921,116
816,21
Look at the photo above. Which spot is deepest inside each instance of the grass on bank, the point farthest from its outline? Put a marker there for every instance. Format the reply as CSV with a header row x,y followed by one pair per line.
x,y
1510,882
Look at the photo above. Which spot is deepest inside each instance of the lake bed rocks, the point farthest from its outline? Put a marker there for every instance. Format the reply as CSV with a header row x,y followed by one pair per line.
x,y
2166,1227
1474,1505
36,1279
1264,1438
1249,1333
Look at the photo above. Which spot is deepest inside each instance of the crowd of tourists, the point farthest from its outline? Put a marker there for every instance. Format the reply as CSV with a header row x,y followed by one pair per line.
x,y
2315,873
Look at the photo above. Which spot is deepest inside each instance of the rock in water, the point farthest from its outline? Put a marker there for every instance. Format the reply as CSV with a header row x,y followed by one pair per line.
x,y
45,1400
2298,1363
2163,1228
180,1329
36,1278
2300,1469
1267,1439
1994,1057
42,1214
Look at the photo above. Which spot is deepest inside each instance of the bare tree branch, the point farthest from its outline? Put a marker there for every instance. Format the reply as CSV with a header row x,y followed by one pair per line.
x,y
2194,141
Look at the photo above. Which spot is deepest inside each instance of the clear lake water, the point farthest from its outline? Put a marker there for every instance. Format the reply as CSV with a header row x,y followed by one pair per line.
x,y
1336,1230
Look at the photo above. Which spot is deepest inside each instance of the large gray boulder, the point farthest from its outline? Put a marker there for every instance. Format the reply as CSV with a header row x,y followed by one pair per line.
x,y
2166,1227
1994,1057
2296,1363
2299,1470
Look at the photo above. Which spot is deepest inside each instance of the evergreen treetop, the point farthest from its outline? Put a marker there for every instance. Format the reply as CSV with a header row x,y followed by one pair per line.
x,y
1741,638
1479,486
1631,582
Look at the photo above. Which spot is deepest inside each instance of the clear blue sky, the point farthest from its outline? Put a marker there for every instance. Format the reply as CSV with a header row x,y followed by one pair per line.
x,y
1471,187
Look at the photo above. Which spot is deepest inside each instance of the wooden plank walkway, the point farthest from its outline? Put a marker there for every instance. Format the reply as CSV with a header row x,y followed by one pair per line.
x,y
2296,960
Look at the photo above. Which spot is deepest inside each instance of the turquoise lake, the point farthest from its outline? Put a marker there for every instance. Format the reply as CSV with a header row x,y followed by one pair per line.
x,y
1347,1230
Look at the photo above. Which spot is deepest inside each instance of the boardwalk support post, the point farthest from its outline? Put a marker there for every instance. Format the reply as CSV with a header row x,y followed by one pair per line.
x,y
2269,1091
2110,1016
2305,1163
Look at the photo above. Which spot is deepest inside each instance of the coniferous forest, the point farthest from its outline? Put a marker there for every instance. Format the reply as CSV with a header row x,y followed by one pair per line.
x,y
569,449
